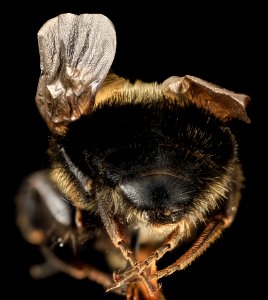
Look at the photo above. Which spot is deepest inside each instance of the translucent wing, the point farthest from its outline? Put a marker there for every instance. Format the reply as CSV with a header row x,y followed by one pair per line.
x,y
76,53
223,103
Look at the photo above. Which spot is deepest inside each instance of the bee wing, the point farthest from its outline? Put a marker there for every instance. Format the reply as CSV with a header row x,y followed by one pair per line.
x,y
76,53
223,103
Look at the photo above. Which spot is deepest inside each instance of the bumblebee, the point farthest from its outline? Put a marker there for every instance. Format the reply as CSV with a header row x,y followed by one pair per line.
x,y
136,170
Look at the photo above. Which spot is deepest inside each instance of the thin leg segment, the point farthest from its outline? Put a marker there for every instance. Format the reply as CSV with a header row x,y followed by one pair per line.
x,y
169,244
211,232
116,234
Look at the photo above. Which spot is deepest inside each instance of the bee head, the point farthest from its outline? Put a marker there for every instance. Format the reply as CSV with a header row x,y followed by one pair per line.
x,y
159,157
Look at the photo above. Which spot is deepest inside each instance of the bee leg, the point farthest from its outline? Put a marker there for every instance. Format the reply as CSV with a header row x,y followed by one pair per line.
x,y
138,290
143,291
136,287
211,232
54,265
214,228
169,244
118,238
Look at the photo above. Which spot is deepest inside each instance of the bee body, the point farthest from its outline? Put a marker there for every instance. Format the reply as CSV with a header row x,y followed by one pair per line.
x,y
136,170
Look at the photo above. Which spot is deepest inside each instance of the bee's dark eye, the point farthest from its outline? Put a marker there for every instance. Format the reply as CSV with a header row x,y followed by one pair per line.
x,y
165,192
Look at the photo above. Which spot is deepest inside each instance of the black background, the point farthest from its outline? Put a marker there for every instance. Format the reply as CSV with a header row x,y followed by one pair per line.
x,y
219,43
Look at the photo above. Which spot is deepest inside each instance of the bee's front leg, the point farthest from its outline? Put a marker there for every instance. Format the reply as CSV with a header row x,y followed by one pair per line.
x,y
118,238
